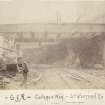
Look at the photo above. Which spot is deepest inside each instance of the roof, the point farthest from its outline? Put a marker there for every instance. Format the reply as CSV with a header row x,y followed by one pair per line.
x,y
53,27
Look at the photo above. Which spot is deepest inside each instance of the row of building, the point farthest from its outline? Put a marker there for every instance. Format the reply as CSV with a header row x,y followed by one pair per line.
x,y
14,38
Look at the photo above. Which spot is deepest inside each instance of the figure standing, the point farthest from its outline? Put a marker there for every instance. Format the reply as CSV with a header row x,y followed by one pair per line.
x,y
22,68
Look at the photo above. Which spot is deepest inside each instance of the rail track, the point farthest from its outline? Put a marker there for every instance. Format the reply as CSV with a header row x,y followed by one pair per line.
x,y
62,78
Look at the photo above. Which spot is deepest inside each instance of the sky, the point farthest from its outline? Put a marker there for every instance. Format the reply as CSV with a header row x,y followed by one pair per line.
x,y
51,11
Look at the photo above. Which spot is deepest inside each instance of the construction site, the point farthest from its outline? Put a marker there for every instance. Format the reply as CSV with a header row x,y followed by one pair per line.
x,y
52,44
58,56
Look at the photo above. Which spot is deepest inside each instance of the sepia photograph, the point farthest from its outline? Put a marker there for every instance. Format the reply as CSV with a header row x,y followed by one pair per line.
x,y
46,44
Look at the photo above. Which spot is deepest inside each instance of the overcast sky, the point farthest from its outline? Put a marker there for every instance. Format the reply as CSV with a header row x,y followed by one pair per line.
x,y
44,11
